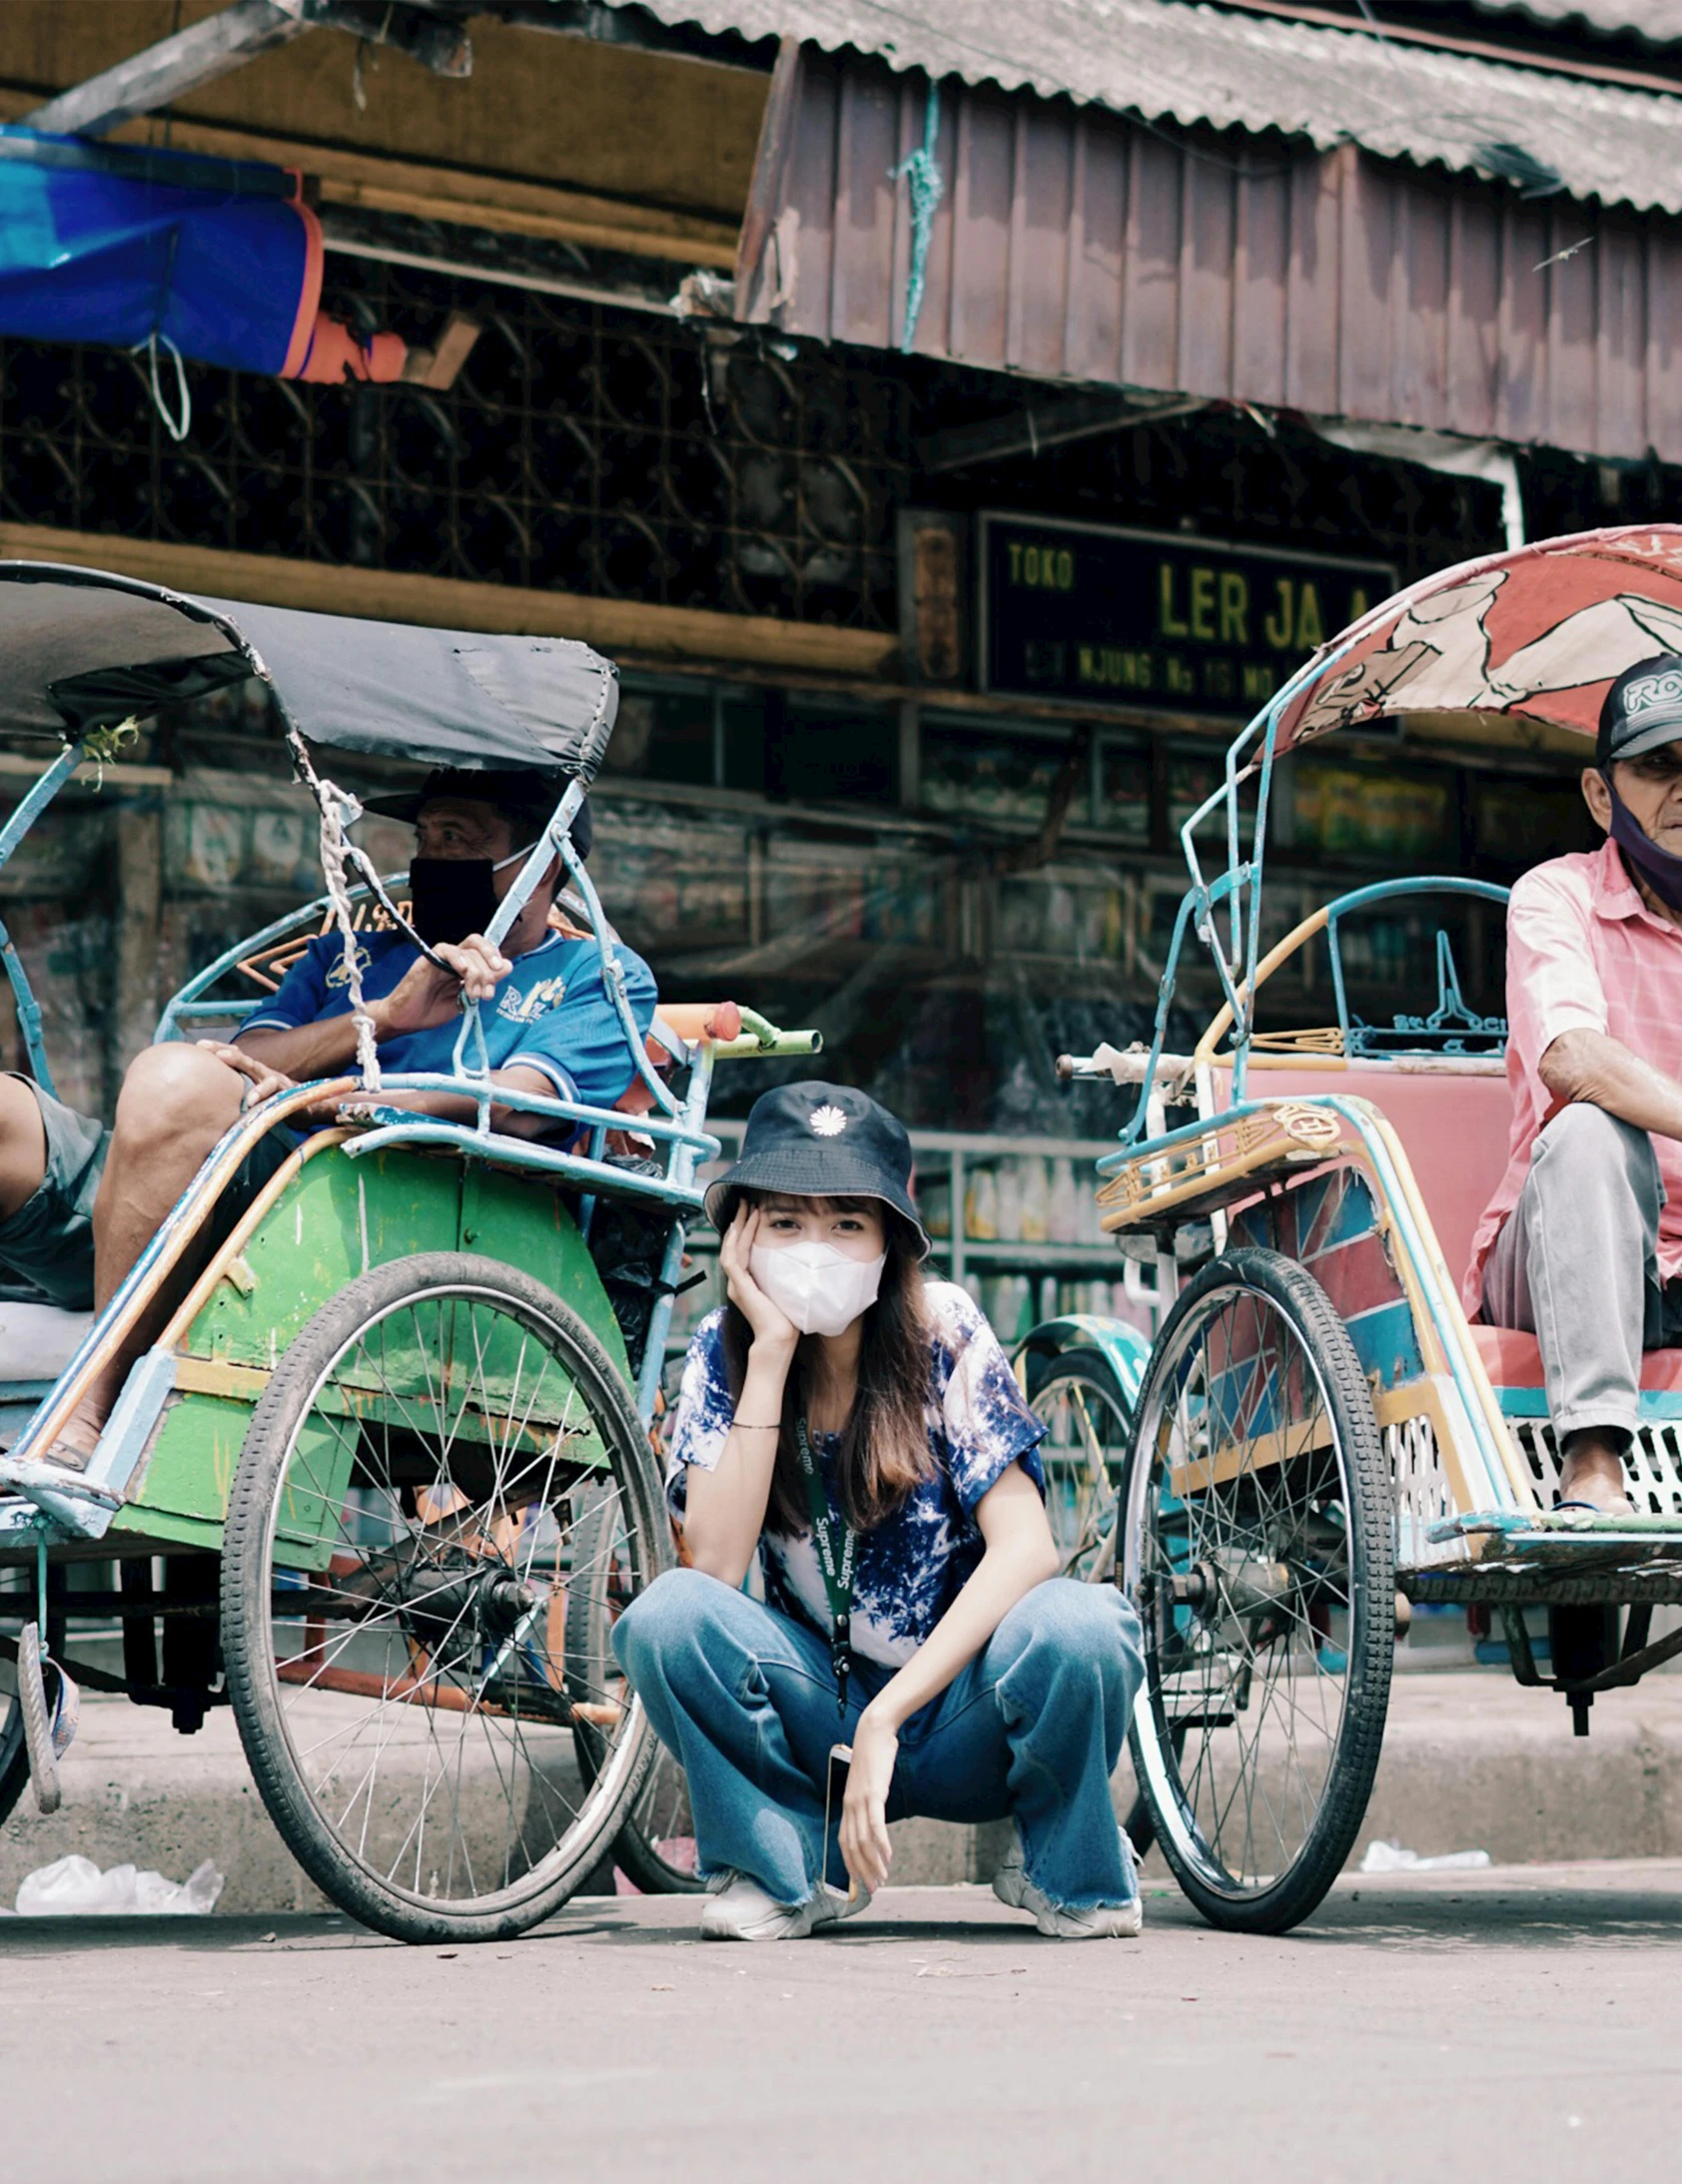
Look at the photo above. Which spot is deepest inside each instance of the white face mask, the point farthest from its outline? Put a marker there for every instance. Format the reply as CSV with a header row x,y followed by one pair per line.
x,y
820,1289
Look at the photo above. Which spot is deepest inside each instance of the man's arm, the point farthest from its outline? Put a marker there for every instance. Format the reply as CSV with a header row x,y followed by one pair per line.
x,y
1601,1071
424,998
266,1081
453,1108
322,1048
425,995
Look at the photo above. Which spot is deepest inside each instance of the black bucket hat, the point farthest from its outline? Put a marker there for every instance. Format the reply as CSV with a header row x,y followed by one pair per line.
x,y
821,1142
524,798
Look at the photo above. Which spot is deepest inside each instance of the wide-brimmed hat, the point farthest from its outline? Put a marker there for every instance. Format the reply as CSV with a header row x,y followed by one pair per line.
x,y
821,1142
521,795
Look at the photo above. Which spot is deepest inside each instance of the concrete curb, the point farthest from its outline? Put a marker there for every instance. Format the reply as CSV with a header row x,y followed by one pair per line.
x,y
1471,1762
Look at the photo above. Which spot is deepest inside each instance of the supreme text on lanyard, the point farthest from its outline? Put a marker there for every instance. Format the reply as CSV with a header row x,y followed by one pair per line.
x,y
836,1563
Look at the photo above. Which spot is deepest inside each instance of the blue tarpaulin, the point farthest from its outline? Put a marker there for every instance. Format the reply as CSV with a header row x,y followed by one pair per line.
x,y
108,243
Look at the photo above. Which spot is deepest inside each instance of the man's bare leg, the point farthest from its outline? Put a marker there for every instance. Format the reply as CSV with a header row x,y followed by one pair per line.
x,y
1593,1471
23,1146
175,1103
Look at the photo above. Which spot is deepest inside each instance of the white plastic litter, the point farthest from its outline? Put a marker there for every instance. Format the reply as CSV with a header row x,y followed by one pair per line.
x,y
1390,1858
75,1884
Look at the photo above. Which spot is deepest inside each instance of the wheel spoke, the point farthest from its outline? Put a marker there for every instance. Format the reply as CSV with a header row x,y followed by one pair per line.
x,y
438,1474
1258,1470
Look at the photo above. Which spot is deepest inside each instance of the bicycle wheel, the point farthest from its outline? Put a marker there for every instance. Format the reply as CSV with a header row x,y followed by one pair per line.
x,y
1258,1546
17,1605
656,1845
1088,1423
401,1546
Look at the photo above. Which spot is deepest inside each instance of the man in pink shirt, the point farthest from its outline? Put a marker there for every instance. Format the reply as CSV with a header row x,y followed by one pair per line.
x,y
1582,1241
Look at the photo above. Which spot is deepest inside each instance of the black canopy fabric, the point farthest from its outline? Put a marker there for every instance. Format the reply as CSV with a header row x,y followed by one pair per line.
x,y
80,649
444,696
80,654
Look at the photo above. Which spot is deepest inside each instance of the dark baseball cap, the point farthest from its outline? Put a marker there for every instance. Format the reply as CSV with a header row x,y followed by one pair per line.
x,y
1642,711
817,1140
525,798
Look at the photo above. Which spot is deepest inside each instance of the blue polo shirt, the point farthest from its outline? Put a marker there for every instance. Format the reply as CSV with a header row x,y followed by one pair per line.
x,y
553,1012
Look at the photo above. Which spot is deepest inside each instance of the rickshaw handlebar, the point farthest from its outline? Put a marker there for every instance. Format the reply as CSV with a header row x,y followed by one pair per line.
x,y
761,1037
1123,1066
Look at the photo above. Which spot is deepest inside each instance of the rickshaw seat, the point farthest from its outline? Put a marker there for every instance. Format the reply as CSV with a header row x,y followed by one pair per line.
x,y
1455,1130
38,1339
1512,1359
678,1025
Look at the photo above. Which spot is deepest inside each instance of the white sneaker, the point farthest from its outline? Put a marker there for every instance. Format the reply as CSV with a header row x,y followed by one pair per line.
x,y
741,1911
1064,1923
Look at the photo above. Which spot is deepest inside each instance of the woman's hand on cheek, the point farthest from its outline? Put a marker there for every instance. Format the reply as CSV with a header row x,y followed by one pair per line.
x,y
768,1324
864,1812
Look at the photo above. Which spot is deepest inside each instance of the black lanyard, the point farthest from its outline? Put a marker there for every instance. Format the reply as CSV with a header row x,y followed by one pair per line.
x,y
837,1567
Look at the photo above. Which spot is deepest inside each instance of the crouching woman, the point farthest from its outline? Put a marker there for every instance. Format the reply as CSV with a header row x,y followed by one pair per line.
x,y
858,1430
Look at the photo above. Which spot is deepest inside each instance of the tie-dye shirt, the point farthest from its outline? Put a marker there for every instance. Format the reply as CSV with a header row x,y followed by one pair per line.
x,y
911,1566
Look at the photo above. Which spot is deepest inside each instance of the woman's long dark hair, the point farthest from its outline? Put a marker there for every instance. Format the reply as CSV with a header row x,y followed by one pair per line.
x,y
885,1443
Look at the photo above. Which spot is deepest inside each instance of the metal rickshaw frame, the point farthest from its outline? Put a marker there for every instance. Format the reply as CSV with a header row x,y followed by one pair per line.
x,y
372,1190
1463,1462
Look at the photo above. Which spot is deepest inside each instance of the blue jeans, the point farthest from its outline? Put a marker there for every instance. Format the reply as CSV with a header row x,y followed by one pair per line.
x,y
1031,1729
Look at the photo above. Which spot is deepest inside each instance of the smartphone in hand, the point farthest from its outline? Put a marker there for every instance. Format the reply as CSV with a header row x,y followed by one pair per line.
x,y
842,1886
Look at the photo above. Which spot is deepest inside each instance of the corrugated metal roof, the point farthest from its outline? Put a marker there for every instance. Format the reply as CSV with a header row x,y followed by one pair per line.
x,y
1075,244
1659,22
1192,64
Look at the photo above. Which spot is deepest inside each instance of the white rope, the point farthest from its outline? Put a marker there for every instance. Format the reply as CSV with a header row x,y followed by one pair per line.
x,y
339,810
181,424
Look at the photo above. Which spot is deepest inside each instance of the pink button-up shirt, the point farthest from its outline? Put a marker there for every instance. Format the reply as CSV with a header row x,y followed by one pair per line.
x,y
1584,952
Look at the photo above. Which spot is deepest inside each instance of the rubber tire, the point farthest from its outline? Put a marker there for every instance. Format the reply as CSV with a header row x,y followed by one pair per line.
x,y
643,1866
1095,1369
14,1759
633,1854
1298,1890
1090,1368
37,1720
245,1589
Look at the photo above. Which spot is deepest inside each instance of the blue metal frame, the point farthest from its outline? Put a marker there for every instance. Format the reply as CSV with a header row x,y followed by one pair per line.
x,y
84,1506
11,834
1250,757
678,1126
1451,1023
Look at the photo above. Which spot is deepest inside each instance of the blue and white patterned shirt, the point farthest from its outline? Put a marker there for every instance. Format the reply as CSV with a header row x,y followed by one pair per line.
x,y
910,1567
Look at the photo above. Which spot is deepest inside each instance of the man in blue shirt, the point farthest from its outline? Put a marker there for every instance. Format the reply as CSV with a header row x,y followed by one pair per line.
x,y
80,1203
549,1023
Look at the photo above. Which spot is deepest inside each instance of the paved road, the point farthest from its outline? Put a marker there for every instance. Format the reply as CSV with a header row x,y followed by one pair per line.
x,y
1517,2023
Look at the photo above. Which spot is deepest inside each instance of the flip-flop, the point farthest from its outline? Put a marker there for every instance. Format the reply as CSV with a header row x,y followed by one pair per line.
x,y
1594,1509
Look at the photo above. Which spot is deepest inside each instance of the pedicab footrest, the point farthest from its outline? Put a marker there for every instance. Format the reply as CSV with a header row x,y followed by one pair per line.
x,y
1560,1535
1234,1158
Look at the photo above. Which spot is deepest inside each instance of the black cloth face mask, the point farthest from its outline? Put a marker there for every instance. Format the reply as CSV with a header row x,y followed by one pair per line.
x,y
452,896
1661,870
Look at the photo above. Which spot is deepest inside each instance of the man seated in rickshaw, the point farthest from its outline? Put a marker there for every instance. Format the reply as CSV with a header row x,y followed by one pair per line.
x,y
78,1204
1582,1242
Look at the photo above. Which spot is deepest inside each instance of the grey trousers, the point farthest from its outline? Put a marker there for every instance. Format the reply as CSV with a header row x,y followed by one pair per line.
x,y
1574,1264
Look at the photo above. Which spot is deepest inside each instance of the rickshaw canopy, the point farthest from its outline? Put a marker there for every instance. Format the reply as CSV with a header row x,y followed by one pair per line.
x,y
1538,634
81,650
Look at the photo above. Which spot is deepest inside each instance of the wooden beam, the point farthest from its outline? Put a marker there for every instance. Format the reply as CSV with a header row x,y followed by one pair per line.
x,y
768,189
499,204
674,635
172,68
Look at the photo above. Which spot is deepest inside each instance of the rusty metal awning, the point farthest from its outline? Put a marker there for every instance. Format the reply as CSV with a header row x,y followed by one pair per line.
x,y
1171,62
1075,245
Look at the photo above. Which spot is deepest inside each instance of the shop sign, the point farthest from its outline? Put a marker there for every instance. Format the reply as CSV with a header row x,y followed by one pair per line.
x,y
1079,612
